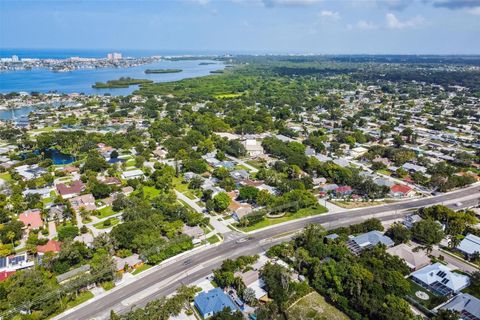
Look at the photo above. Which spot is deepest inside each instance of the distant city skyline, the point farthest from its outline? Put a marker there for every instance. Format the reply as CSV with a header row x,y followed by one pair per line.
x,y
245,26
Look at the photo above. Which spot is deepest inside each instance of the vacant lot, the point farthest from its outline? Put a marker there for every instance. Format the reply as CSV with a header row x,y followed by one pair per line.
x,y
314,307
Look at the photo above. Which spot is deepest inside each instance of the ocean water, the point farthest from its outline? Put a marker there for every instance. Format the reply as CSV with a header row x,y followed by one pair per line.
x,y
81,81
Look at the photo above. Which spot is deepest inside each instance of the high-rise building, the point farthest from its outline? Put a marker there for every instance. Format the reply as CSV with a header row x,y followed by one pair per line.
x,y
114,56
15,58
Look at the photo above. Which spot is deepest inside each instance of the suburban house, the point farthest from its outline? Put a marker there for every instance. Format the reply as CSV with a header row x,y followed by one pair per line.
x,y
253,147
133,174
415,260
440,279
213,301
239,210
469,245
239,174
401,191
368,240
343,191
467,305
43,192
86,201
73,274
32,219
71,190
30,172
50,246
252,280
15,262
410,220
132,261
55,212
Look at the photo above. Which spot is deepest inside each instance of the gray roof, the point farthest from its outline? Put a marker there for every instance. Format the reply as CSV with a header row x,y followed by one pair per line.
x,y
372,238
465,304
470,244
72,273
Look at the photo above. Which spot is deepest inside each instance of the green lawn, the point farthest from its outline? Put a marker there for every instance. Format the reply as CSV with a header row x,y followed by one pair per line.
x,y
302,213
5,176
213,239
101,225
432,301
255,163
385,172
105,212
150,192
81,298
314,307
182,187
142,268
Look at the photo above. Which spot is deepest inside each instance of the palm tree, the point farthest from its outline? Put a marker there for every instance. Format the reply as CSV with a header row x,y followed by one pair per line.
x,y
11,237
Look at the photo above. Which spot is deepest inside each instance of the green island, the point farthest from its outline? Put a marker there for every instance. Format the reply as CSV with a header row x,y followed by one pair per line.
x,y
148,71
205,63
123,82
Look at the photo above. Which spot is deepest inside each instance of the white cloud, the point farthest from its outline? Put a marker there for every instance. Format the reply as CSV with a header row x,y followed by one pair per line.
x,y
394,23
330,14
273,3
475,11
363,25
200,2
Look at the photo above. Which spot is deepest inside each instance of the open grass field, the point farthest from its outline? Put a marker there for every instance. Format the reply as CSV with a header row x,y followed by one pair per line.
x,y
101,225
105,212
150,192
302,213
314,307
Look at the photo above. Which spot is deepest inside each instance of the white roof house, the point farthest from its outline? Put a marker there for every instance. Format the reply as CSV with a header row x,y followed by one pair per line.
x,y
467,305
469,245
133,174
440,279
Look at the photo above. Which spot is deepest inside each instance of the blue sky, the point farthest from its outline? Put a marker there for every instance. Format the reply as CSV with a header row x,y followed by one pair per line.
x,y
277,26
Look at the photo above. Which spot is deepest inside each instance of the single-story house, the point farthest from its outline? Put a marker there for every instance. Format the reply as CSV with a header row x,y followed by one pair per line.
x,y
43,192
252,280
415,260
127,190
86,201
112,181
410,220
253,147
132,261
30,172
380,181
133,174
72,274
213,301
368,240
467,305
343,191
32,219
72,190
469,245
50,246
239,174
401,191
56,212
440,279
410,167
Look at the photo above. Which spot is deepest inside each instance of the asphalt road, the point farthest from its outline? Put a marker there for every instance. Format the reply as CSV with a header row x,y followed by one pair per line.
x,y
167,279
